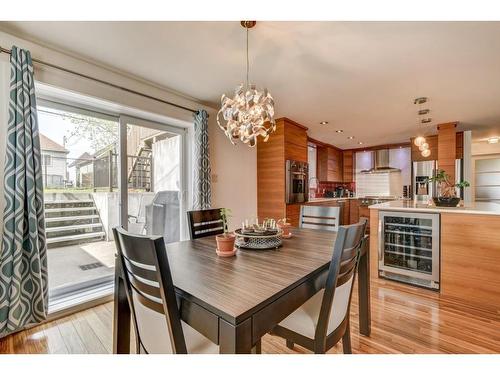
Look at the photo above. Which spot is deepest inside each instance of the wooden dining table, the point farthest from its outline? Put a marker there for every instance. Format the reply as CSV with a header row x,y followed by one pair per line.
x,y
234,301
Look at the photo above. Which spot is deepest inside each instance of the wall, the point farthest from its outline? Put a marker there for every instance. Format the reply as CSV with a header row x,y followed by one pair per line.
x,y
234,175
234,168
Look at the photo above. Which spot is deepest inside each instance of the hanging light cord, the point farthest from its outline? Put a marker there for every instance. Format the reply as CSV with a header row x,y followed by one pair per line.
x,y
247,60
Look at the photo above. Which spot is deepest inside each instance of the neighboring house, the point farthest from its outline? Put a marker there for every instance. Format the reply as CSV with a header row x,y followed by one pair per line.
x,y
54,167
83,170
86,163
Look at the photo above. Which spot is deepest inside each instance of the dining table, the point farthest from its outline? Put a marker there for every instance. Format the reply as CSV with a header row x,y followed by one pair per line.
x,y
234,301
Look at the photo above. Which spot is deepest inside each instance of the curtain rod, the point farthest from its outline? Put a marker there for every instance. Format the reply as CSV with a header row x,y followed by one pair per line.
x,y
8,51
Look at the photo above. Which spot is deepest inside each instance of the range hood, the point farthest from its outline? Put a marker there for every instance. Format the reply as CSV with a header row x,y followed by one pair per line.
x,y
380,163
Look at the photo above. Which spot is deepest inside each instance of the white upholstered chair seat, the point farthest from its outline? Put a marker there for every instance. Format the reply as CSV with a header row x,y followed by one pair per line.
x,y
155,336
305,319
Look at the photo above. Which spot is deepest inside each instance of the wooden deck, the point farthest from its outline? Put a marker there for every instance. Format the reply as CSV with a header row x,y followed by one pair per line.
x,y
405,320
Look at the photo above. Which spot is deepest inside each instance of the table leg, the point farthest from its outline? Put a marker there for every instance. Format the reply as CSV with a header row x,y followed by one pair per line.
x,y
364,293
121,315
235,339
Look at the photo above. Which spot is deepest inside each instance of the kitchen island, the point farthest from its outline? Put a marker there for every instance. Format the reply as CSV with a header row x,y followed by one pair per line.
x,y
467,240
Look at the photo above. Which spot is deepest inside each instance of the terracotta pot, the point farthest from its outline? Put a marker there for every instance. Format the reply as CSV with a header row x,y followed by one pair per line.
x,y
285,228
225,242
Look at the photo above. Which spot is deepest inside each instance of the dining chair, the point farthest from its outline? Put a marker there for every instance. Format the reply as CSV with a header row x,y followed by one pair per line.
x,y
320,217
152,300
204,223
323,320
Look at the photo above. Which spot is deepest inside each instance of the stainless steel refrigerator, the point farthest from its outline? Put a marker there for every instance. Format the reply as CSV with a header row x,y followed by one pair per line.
x,y
422,171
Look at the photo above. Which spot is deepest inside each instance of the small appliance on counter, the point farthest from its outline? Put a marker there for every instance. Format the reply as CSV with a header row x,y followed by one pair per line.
x,y
297,181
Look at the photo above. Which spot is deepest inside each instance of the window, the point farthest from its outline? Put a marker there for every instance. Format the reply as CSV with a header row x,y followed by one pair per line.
x,y
47,160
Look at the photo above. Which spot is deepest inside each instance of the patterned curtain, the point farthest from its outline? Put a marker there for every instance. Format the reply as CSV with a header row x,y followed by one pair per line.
x,y
202,192
23,258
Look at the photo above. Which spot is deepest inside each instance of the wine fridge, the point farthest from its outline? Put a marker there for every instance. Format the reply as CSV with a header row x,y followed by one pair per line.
x,y
409,247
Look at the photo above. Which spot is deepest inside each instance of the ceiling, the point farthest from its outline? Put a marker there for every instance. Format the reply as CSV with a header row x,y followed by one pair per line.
x,y
361,77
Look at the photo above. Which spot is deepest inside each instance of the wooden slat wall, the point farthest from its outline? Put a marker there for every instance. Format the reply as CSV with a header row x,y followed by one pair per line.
x,y
374,243
271,174
289,142
470,258
447,148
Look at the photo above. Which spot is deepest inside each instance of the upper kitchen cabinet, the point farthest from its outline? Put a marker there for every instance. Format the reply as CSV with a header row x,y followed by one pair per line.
x,y
348,166
295,140
330,164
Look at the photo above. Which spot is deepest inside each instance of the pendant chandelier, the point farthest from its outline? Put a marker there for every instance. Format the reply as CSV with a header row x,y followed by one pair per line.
x,y
420,141
249,113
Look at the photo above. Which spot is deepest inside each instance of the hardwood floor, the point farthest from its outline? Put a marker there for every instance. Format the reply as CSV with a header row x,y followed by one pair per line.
x,y
405,320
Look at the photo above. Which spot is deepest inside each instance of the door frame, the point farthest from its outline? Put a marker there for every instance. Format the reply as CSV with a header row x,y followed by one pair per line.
x,y
125,120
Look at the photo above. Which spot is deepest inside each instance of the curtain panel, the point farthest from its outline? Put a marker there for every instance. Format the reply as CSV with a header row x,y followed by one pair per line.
x,y
202,190
23,257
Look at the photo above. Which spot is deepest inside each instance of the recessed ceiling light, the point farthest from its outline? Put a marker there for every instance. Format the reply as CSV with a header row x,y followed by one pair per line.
x,y
350,137
493,140
360,143
324,122
339,131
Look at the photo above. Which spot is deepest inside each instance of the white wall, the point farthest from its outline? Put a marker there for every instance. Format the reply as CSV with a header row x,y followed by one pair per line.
x,y
234,168
234,175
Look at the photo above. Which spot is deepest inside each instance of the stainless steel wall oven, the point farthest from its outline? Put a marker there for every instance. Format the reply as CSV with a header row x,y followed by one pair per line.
x,y
297,182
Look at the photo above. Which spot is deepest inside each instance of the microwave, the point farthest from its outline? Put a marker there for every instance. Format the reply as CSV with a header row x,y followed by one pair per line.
x,y
297,182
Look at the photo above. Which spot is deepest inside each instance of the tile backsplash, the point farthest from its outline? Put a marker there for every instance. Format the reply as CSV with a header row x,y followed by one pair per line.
x,y
324,187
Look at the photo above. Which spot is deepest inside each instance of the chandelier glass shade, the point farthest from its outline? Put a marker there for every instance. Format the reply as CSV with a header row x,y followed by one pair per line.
x,y
247,115
250,112
419,141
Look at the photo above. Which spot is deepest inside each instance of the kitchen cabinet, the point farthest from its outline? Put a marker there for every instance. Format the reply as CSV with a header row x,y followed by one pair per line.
x,y
330,164
347,166
293,214
344,204
353,211
289,141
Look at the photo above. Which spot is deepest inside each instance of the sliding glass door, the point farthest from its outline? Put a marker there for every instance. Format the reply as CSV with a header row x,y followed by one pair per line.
x,y
79,149
152,159
101,170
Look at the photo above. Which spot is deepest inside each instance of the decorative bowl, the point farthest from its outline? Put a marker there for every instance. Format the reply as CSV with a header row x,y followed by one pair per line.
x,y
269,239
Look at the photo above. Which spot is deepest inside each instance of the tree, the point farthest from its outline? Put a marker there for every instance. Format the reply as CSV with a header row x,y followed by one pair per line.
x,y
99,132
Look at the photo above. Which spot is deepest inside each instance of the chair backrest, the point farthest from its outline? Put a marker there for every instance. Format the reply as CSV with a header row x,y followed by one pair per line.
x,y
340,280
320,217
204,223
150,293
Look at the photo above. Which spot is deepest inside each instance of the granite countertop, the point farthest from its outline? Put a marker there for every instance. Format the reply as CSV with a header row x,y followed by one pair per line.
x,y
477,208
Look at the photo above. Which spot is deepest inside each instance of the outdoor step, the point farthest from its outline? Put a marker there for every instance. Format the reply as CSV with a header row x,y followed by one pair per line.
x,y
75,237
69,209
70,218
70,201
72,227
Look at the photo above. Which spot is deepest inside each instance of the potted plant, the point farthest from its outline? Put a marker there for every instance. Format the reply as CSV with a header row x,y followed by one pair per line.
x,y
225,241
447,190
